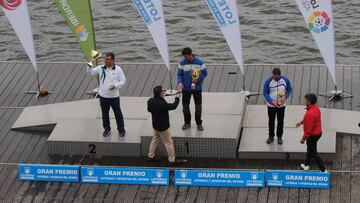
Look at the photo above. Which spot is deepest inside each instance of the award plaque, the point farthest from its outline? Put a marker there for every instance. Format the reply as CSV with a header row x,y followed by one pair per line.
x,y
172,92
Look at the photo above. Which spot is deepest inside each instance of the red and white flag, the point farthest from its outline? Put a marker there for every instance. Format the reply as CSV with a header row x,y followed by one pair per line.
x,y
17,13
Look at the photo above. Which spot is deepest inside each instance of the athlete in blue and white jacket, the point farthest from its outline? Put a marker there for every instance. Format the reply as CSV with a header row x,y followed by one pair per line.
x,y
185,69
275,88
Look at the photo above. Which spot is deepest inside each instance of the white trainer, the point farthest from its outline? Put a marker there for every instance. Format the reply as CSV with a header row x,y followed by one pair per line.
x,y
304,167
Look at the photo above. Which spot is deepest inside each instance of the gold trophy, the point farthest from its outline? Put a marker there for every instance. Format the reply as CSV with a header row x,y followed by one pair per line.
x,y
94,55
281,95
195,75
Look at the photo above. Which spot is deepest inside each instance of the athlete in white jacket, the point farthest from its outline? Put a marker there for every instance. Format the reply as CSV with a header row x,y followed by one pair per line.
x,y
111,79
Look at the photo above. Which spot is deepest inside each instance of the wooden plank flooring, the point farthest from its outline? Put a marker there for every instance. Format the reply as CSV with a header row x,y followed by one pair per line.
x,y
69,82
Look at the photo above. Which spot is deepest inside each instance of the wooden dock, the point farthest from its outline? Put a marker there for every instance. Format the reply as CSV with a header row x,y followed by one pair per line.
x,y
69,82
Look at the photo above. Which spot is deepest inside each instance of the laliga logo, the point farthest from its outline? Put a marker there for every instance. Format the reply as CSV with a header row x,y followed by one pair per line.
x,y
10,4
319,22
82,32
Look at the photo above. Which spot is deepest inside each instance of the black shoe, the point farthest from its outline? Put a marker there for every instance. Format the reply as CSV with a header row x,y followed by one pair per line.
x,y
270,140
200,128
280,141
148,159
178,162
121,133
106,133
186,126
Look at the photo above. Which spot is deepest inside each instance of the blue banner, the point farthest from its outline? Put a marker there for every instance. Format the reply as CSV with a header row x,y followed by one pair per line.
x,y
298,179
38,172
218,178
136,176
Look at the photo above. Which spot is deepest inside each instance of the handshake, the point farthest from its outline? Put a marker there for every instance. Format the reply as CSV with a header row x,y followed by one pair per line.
x,y
178,95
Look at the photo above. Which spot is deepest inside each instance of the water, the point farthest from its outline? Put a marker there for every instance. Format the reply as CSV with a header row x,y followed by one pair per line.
x,y
272,32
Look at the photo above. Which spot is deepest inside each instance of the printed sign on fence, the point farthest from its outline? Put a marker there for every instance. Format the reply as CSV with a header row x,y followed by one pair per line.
x,y
222,178
137,176
39,172
297,179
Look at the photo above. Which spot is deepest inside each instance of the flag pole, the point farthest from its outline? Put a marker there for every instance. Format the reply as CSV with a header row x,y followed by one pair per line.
x,y
38,80
41,91
248,94
93,30
336,94
95,91
171,91
171,87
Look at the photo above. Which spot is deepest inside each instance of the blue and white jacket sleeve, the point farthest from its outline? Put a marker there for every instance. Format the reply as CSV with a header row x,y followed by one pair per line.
x,y
204,72
266,91
180,73
288,87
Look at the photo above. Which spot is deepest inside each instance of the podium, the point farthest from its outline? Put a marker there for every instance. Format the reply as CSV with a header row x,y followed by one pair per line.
x,y
233,129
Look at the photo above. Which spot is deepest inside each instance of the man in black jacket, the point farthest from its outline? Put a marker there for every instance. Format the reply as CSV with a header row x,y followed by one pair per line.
x,y
159,109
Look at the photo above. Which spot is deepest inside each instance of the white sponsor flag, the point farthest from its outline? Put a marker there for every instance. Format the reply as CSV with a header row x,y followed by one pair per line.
x,y
17,13
318,16
153,16
226,14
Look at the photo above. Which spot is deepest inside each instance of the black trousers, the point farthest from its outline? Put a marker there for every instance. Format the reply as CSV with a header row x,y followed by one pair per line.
x,y
312,153
186,106
114,103
280,114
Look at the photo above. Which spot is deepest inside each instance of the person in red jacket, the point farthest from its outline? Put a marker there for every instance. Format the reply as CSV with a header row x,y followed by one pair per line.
x,y
312,132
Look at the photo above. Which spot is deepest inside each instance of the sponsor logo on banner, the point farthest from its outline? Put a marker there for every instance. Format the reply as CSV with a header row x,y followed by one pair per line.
x,y
124,176
147,10
37,172
222,12
298,179
308,4
319,22
10,4
219,178
82,32
318,16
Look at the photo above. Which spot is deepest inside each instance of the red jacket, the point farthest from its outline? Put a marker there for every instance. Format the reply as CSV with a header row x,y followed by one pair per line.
x,y
312,122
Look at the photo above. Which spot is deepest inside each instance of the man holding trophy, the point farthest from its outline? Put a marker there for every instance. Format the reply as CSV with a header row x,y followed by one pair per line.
x,y
191,74
277,89
111,79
